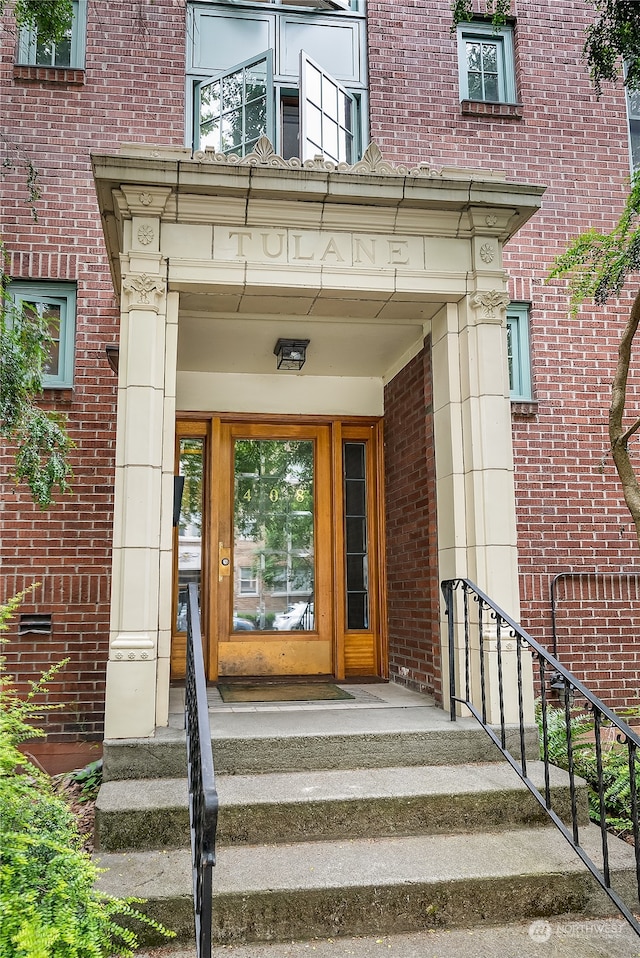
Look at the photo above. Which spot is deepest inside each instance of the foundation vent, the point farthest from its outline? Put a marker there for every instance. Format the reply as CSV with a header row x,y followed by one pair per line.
x,y
40,623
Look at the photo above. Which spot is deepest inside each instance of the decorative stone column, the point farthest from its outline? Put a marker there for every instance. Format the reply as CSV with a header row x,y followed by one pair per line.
x,y
474,464
137,672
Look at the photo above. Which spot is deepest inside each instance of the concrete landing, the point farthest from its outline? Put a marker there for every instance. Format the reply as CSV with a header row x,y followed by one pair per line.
x,y
570,938
296,739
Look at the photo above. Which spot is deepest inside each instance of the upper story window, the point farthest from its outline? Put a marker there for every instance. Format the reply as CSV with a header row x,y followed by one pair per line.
x,y
633,111
486,63
518,354
68,52
266,69
56,303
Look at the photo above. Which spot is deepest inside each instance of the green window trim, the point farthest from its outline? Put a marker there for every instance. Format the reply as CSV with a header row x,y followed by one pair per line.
x,y
70,53
486,63
518,352
633,113
60,300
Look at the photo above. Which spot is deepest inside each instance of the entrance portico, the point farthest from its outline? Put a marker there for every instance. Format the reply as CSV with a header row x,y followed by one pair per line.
x,y
216,258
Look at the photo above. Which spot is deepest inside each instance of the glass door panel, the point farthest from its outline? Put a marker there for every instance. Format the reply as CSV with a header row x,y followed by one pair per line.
x,y
190,468
273,535
274,596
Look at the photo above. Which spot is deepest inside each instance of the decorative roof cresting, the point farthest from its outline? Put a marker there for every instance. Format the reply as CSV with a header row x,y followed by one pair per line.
x,y
264,155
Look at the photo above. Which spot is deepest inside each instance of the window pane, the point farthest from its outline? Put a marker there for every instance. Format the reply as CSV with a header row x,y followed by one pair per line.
x,y
314,126
475,86
45,54
231,131
256,119
274,533
313,79
210,100
510,354
356,552
473,57
489,58
491,88
232,91
190,525
255,81
330,138
210,135
329,98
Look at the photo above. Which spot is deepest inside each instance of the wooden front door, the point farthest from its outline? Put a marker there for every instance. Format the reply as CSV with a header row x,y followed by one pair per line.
x,y
275,610
282,526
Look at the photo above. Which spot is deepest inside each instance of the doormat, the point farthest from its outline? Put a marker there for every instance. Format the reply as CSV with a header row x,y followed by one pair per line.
x,y
291,692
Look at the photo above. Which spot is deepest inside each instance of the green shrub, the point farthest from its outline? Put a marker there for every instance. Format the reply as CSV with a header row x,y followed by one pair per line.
x,y
49,905
616,776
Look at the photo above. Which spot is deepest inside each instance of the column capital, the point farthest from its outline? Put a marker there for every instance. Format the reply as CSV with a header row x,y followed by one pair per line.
x,y
490,304
143,291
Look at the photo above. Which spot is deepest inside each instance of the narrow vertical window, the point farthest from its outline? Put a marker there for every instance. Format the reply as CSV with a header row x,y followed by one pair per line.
x,y
633,110
56,304
190,465
356,535
518,355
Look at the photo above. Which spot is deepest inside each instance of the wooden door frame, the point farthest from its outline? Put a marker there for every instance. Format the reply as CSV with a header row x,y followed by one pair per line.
x,y
323,632
210,426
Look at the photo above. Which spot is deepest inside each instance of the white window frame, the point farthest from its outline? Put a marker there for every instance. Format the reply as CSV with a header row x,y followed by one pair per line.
x,y
520,353
308,148
205,63
28,42
251,581
62,295
503,38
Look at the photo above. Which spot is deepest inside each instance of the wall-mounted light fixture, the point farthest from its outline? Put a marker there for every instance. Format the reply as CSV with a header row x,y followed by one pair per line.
x,y
113,356
291,353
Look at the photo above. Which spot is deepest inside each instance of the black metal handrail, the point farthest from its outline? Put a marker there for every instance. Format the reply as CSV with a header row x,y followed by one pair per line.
x,y
203,797
491,627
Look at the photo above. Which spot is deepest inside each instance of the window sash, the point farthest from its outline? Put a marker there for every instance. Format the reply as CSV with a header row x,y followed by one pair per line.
x,y
237,115
327,115
61,297
327,112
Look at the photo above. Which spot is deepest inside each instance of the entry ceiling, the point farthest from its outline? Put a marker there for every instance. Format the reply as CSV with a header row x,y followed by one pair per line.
x,y
355,337
337,347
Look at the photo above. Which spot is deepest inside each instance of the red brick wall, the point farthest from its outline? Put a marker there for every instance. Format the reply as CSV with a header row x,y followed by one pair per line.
x,y
131,91
412,582
570,514
570,510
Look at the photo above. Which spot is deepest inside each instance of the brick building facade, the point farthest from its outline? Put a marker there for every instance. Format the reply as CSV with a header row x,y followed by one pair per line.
x,y
126,85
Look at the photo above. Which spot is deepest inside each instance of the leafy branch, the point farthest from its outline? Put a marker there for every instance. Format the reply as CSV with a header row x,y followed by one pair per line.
x,y
598,265
40,437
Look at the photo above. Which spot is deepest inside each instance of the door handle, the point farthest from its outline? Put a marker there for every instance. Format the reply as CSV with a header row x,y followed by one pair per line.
x,y
224,562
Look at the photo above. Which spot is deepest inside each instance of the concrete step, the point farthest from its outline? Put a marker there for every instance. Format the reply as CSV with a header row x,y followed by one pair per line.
x,y
320,889
299,806
297,740
569,938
